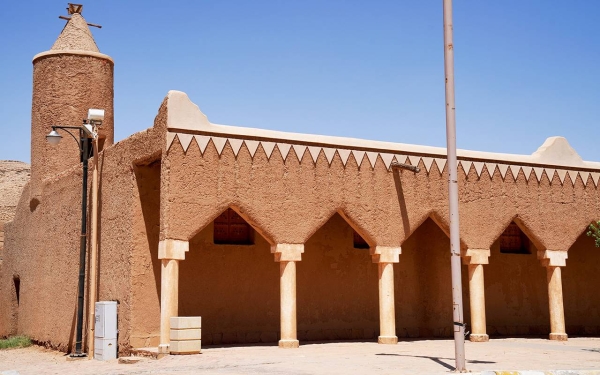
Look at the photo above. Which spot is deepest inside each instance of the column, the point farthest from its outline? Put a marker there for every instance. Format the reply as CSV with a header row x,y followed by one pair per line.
x,y
287,255
385,257
476,258
170,252
555,298
553,260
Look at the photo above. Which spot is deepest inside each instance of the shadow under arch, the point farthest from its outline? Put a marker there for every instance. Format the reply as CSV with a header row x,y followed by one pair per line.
x,y
337,284
423,291
580,280
515,284
233,286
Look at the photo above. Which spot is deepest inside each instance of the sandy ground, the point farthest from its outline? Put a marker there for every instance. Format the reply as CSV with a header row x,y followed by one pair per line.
x,y
412,357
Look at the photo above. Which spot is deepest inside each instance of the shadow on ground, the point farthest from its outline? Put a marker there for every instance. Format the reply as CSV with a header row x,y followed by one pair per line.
x,y
437,360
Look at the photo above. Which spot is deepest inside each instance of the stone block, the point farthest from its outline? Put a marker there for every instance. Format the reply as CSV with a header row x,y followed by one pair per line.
x,y
186,347
186,334
186,322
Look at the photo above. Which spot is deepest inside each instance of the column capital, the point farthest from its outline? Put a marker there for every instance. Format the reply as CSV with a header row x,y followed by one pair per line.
x,y
386,254
475,256
287,252
173,249
553,258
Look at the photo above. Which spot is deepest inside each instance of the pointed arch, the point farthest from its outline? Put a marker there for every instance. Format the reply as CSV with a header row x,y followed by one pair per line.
x,y
239,210
531,236
439,221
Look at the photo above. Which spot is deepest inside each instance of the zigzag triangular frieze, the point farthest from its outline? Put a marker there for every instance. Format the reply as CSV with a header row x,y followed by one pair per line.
x,y
236,144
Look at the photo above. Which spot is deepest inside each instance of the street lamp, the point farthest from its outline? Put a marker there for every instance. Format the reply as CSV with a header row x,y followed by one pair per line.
x,y
87,134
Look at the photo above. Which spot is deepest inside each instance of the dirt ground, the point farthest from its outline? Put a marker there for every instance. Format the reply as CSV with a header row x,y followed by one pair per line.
x,y
408,357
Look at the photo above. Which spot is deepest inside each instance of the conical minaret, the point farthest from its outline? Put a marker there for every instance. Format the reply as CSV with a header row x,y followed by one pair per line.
x,y
70,78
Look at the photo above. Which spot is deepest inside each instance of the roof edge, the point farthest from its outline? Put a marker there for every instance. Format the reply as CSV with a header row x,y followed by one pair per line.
x,y
73,52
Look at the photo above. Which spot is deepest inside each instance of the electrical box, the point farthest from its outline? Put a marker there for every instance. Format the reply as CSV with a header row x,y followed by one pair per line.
x,y
105,331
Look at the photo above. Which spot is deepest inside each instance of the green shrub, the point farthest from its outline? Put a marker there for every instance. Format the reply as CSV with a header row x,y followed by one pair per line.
x,y
595,232
15,342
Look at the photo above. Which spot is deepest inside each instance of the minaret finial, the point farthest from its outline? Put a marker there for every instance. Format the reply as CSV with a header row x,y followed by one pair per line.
x,y
76,9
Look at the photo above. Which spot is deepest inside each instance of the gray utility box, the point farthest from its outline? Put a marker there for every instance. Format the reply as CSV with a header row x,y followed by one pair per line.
x,y
105,332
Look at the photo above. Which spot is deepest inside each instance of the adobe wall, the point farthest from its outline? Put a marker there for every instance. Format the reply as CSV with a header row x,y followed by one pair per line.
x,y
13,177
516,294
42,247
581,280
288,201
337,287
377,200
65,86
235,288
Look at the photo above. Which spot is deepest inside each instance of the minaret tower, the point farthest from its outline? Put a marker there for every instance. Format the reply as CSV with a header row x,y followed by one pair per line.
x,y
70,78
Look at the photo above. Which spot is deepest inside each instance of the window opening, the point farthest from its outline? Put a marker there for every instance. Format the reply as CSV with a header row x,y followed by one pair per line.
x,y
231,229
514,241
17,282
359,242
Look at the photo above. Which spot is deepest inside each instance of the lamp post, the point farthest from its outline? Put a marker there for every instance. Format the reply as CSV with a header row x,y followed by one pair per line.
x,y
87,134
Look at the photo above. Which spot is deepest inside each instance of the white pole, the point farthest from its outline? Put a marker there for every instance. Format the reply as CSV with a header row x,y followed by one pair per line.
x,y
457,304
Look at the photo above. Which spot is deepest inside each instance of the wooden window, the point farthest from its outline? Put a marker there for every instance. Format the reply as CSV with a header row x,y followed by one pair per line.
x,y
231,229
359,242
514,241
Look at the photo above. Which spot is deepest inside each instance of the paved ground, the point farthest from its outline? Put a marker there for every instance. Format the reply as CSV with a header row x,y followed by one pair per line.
x,y
413,357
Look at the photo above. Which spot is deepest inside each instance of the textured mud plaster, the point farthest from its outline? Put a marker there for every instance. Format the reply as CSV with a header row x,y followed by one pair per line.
x,y
235,288
580,288
42,247
346,304
423,285
516,294
76,35
67,81
13,177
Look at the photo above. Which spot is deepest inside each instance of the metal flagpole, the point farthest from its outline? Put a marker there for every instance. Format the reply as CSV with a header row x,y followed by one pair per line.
x,y
457,304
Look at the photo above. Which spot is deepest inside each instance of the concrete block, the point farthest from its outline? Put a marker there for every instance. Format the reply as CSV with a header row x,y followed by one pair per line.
x,y
186,334
186,322
186,347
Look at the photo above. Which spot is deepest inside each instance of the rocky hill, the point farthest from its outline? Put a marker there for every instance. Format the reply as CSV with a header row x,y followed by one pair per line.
x,y
13,176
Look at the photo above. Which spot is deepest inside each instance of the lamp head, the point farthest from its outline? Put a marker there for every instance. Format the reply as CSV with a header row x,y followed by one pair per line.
x,y
95,116
53,137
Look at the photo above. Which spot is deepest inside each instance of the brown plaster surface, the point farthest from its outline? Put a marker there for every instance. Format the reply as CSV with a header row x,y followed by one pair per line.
x,y
581,278
64,88
75,35
199,186
13,177
337,287
516,294
235,288
42,246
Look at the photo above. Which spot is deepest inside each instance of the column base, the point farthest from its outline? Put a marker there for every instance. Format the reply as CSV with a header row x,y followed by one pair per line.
x,y
477,337
289,344
559,336
387,340
163,349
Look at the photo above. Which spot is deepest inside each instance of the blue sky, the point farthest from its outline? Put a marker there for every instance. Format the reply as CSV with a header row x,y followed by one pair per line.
x,y
525,70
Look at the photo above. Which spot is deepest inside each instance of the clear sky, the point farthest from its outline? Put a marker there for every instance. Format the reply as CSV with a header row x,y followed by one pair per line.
x,y
525,70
